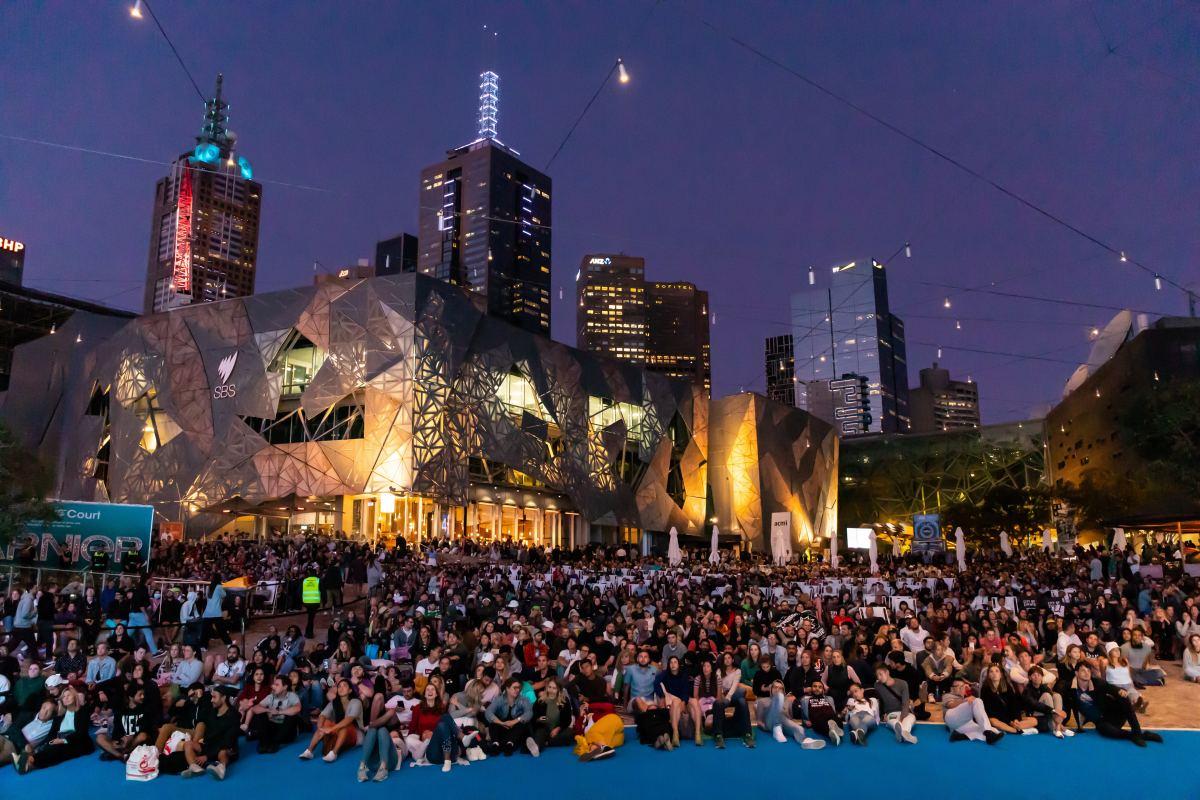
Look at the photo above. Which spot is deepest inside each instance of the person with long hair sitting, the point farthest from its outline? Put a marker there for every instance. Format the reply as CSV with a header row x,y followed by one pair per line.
x,y
553,719
339,725
432,732
1005,709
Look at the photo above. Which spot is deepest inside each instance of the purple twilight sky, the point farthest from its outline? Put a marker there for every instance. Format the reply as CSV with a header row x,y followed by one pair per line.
x,y
714,165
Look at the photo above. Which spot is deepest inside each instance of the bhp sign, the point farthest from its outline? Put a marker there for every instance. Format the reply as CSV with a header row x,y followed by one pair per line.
x,y
11,245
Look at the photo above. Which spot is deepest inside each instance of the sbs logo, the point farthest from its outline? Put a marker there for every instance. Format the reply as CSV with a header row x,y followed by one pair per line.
x,y
224,371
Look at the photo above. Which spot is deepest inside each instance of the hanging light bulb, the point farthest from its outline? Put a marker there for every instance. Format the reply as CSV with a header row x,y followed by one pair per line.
x,y
957,325
1095,331
560,293
78,338
946,302
812,277
622,73
53,328
1157,282
135,10
1123,257
907,250
939,352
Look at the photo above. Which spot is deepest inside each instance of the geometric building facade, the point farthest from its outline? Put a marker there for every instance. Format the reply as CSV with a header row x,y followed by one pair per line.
x,y
382,407
765,458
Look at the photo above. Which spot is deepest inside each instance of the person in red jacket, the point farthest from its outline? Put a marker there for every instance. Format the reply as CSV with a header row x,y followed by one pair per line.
x,y
433,734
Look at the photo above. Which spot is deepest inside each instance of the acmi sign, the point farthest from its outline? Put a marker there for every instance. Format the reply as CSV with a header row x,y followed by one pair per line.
x,y
11,245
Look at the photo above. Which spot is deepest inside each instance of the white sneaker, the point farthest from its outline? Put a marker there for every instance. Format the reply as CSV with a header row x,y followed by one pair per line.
x,y
306,755
908,737
329,757
1029,731
462,762
899,734
532,746
446,765
1067,732
217,770
812,744
777,732
835,734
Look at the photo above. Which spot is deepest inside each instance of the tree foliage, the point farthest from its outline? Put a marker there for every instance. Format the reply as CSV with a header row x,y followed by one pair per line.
x,y
1021,512
24,483
1162,426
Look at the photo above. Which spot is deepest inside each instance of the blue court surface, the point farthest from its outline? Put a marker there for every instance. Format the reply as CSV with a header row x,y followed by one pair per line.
x,y
1017,767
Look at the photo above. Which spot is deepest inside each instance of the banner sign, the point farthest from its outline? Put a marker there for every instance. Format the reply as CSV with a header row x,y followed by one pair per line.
x,y
927,533
80,530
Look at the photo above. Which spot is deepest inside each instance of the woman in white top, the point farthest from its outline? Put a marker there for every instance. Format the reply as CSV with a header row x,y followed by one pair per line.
x,y
862,715
1118,675
1191,658
731,695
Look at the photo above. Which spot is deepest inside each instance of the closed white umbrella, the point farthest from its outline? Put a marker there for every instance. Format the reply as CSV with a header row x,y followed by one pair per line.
x,y
1119,539
833,556
674,557
873,552
1005,545
1046,540
714,557
781,546
960,549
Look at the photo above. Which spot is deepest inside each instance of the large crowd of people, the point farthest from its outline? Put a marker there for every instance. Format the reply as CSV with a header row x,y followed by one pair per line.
x,y
450,656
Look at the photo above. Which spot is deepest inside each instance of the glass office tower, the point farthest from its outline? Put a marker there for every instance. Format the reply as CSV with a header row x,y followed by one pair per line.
x,y
843,330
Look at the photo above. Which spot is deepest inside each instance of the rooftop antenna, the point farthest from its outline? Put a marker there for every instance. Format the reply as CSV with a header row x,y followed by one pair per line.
x,y
489,100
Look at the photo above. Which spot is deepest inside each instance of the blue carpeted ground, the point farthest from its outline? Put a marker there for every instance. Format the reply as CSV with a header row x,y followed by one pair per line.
x,y
1017,767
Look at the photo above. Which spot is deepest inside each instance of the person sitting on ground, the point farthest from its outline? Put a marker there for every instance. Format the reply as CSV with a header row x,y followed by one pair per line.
x,y
1139,652
274,719
433,733
673,687
101,670
68,737
229,670
1118,674
1045,704
553,718
131,727
19,745
861,714
639,679
966,716
339,725
820,714
895,705
1191,658
213,745
256,688
599,732
1005,707
508,718
939,668
731,694
377,740
1108,708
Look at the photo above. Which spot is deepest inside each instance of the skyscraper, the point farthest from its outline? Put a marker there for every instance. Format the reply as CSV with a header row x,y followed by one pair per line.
x,y
677,319
611,313
780,361
662,324
485,223
843,330
204,232
396,255
942,404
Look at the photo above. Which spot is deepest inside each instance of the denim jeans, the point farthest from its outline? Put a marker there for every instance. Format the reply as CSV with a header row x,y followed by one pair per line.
x,y
139,629
862,721
740,725
378,741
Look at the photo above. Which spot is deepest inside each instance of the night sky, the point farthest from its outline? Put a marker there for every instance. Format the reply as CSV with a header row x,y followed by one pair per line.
x,y
714,165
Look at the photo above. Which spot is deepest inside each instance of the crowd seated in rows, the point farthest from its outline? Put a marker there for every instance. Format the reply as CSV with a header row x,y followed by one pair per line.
x,y
450,657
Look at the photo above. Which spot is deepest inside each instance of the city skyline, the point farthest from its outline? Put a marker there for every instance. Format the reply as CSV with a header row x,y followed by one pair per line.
x,y
634,177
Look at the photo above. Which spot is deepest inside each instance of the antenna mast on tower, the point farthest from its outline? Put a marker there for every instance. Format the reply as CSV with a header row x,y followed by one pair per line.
x,y
489,100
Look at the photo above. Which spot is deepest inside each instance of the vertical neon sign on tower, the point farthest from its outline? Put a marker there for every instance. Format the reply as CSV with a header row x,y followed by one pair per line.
x,y
181,282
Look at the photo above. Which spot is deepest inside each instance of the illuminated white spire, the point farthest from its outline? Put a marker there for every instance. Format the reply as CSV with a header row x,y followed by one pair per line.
x,y
489,100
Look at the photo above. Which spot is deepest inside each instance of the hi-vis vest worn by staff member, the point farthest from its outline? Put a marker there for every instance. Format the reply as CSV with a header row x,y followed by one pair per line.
x,y
310,591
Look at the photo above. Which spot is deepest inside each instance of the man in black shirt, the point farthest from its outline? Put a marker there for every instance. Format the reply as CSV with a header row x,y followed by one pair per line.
x,y
131,727
214,741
